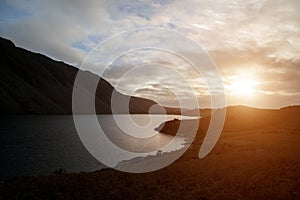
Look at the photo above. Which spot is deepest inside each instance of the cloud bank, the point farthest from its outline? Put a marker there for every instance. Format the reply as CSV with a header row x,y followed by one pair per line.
x,y
255,39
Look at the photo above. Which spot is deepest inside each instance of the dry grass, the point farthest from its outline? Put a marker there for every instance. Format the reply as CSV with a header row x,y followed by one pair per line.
x,y
252,160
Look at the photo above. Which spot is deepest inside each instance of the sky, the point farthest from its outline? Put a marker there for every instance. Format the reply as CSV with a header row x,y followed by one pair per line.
x,y
254,44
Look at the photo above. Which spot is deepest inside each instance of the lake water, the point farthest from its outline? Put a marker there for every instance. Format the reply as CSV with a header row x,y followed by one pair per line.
x,y
38,145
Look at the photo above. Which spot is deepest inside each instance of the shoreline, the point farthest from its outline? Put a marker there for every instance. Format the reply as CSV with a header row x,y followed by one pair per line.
x,y
252,160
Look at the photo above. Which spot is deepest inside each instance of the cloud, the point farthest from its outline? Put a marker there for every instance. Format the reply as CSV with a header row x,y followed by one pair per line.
x,y
51,27
243,37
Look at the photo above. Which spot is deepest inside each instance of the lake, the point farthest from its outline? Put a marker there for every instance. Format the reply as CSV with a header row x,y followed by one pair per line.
x,y
39,145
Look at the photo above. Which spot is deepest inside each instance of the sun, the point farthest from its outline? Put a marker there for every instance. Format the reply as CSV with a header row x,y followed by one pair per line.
x,y
241,86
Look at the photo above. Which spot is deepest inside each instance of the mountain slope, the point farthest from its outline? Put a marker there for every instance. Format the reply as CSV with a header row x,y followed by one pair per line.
x,y
32,83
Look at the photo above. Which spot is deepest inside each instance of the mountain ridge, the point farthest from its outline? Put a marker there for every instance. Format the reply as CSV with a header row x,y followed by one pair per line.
x,y
32,83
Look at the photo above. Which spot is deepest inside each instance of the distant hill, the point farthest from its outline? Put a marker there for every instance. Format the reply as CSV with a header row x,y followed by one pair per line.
x,y
31,83
240,118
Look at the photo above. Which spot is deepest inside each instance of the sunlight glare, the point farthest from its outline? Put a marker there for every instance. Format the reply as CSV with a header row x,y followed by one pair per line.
x,y
243,87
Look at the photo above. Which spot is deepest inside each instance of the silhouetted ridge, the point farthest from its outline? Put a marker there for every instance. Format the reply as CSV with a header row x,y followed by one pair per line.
x,y
31,83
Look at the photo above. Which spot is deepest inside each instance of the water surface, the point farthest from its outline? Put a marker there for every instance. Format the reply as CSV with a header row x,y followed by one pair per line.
x,y
39,145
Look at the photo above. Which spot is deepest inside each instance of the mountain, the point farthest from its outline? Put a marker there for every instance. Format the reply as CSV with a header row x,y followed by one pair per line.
x,y
31,83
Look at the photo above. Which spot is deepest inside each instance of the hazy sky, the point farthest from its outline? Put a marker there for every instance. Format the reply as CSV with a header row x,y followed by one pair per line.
x,y
254,43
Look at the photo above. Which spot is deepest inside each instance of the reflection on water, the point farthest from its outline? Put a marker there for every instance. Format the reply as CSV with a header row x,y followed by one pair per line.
x,y
38,145
124,133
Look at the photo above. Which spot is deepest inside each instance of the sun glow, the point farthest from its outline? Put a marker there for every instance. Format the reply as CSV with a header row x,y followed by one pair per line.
x,y
242,86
